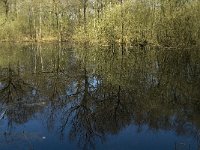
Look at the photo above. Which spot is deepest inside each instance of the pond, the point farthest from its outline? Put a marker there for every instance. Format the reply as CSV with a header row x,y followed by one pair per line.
x,y
59,96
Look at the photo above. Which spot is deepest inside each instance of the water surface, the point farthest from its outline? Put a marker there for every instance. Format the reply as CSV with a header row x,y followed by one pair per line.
x,y
55,96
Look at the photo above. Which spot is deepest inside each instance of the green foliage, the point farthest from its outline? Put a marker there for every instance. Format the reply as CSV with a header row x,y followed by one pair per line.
x,y
165,23
35,20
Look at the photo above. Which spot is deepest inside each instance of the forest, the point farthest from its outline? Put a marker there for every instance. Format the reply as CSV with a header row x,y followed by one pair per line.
x,y
166,23
100,74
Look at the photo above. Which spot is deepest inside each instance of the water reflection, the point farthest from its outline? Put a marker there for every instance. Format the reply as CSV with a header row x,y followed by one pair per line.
x,y
93,93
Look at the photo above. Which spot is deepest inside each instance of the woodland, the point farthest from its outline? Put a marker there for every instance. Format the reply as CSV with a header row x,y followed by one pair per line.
x,y
166,23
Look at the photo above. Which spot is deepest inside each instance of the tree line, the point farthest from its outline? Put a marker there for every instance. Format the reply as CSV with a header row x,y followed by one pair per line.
x,y
105,22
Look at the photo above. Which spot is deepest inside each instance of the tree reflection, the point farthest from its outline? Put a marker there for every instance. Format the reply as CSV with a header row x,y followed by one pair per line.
x,y
91,97
16,97
13,87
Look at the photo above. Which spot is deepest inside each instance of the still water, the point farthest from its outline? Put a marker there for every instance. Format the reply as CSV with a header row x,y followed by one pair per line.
x,y
58,96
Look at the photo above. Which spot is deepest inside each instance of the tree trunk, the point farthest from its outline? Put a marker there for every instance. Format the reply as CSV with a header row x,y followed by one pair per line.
x,y
40,23
122,27
84,14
